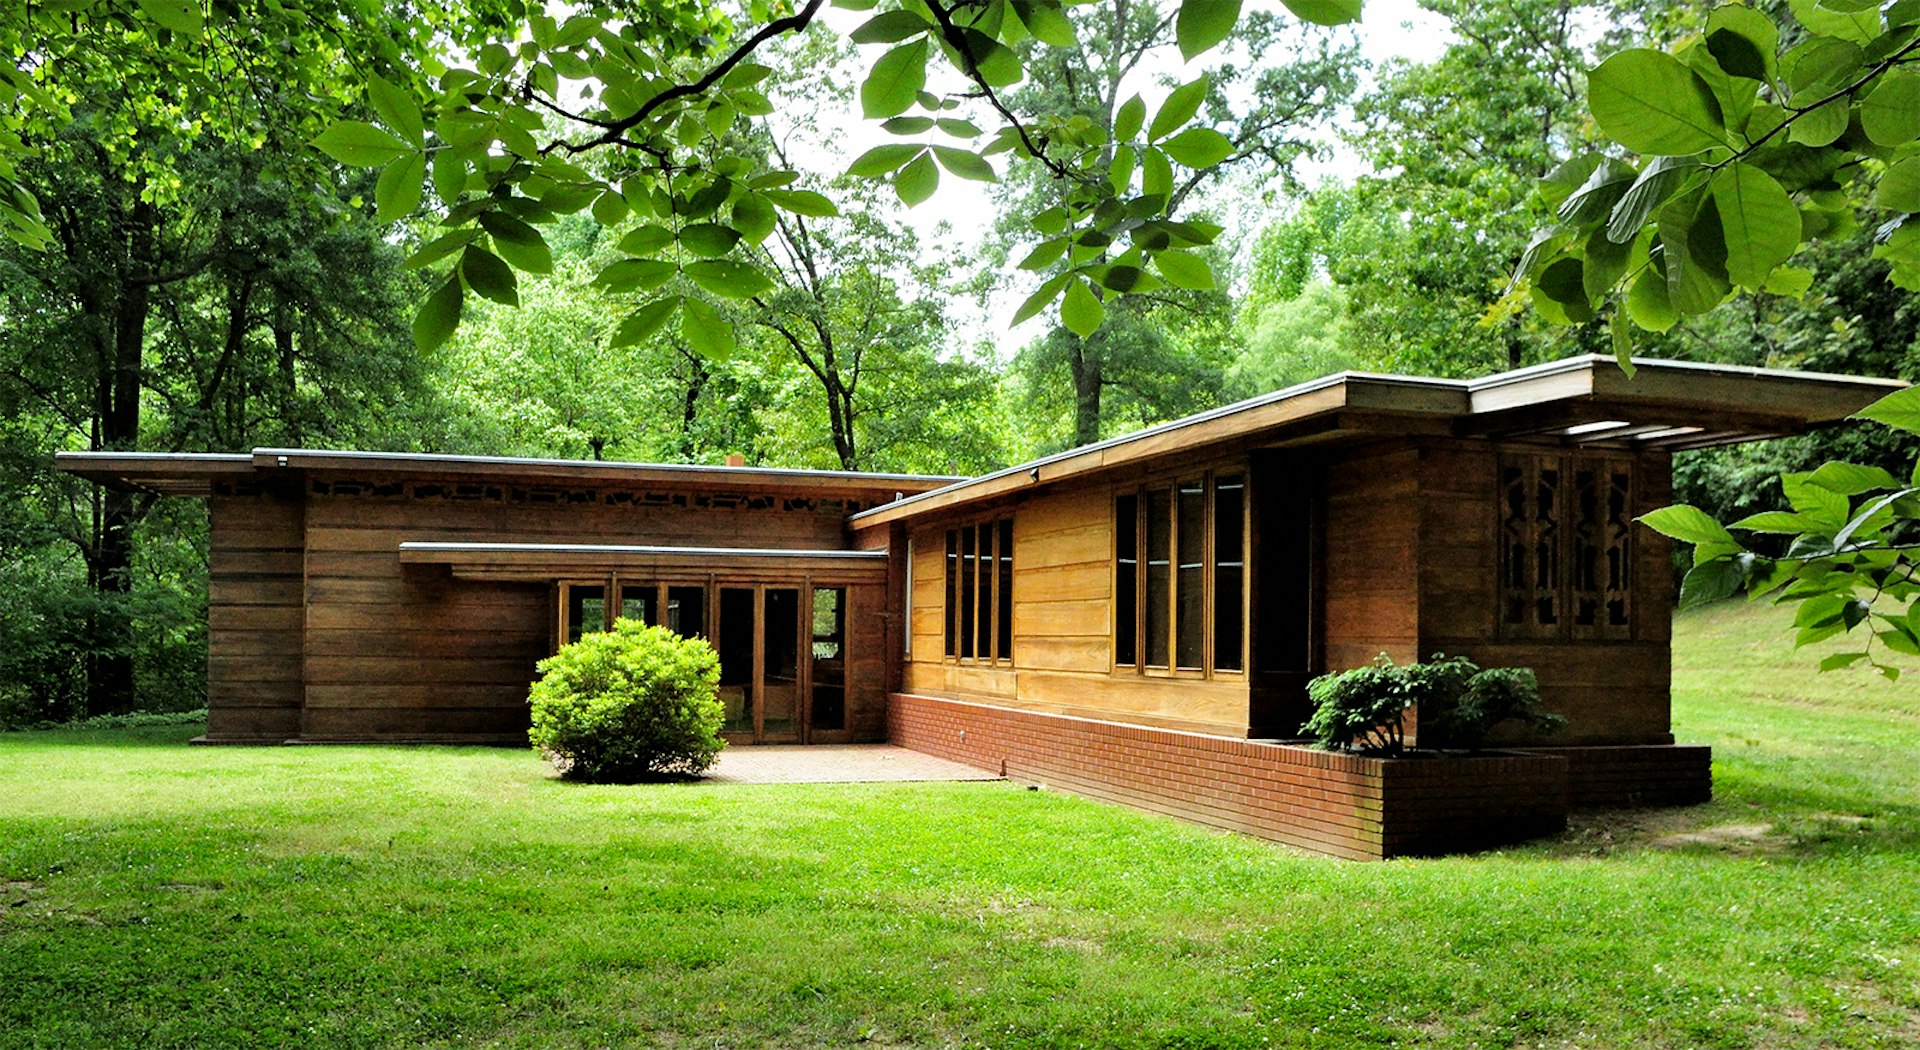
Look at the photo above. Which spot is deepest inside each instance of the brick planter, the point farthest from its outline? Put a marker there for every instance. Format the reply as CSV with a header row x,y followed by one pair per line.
x,y
1341,805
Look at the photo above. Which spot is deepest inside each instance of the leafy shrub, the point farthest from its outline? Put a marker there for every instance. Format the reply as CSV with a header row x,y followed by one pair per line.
x,y
1365,709
633,703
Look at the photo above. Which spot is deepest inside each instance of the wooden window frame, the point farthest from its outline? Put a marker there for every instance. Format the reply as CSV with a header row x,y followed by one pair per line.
x,y
1564,588
1208,479
985,606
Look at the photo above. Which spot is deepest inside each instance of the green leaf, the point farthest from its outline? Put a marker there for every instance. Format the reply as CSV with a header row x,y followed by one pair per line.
x,y
1324,12
1710,581
181,16
1050,221
1900,410
1044,254
908,125
1127,120
895,82
1851,479
1156,173
646,239
1663,178
441,247
1181,104
1860,27
803,202
960,129
1038,300
518,243
1890,116
438,316
397,194
1199,148
1696,254
1648,303
1203,24
709,239
628,275
1651,103
1596,197
917,181
1688,524
449,175
1790,281
965,163
1776,522
485,273
889,27
1184,270
1560,293
1743,41
727,278
1758,221
1899,188
883,159
641,325
706,331
1822,126
609,209
1081,311
1557,185
1604,264
360,144
1047,23
753,217
397,110
1840,660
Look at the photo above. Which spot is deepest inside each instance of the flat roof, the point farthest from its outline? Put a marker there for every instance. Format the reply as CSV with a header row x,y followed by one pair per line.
x,y
192,473
1582,401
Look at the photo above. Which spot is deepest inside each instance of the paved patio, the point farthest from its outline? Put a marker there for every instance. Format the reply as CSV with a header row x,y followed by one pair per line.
x,y
834,764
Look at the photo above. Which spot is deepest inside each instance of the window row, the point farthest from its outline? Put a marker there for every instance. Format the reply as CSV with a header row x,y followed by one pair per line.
x,y
979,610
1180,575
1566,564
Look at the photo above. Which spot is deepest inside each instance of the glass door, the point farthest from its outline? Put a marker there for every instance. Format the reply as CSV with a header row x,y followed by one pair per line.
x,y
761,664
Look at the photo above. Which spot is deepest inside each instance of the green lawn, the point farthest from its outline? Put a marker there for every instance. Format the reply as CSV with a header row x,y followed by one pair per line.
x,y
158,895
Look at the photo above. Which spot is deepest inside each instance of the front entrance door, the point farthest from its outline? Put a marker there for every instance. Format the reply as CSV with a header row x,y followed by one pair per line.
x,y
761,670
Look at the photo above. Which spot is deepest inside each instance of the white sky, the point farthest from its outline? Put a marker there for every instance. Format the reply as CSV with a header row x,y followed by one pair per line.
x,y
957,218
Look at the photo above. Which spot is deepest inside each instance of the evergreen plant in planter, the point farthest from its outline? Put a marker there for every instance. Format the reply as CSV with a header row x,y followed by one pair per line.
x,y
1365,709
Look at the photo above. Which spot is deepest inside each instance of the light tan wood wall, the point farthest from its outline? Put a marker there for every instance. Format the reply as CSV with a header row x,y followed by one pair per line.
x,y
1062,627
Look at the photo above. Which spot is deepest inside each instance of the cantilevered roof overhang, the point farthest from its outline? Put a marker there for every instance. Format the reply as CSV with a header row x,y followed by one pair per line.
x,y
193,474
1586,401
552,561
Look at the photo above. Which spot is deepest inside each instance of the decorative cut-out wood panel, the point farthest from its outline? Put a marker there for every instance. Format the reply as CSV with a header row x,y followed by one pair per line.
x,y
1566,547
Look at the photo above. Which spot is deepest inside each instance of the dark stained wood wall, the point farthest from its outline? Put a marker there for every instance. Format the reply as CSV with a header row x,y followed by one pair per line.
x,y
411,653
254,615
1371,603
1612,691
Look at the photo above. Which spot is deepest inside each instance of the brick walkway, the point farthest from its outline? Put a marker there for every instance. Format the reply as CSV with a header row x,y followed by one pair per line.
x,y
834,764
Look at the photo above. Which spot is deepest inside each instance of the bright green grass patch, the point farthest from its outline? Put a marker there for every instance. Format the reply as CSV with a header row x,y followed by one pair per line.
x,y
158,895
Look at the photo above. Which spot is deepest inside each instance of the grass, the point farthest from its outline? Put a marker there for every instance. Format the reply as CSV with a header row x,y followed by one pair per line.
x,y
159,896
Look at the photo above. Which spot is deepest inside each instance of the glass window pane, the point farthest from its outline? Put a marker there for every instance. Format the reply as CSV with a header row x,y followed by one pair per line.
x,y
1126,577
736,658
1229,570
965,611
829,710
984,615
687,611
1190,583
637,603
780,688
1159,575
1005,592
586,610
826,622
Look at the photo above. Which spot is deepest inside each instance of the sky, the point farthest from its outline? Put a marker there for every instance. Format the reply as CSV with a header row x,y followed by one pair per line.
x,y
957,218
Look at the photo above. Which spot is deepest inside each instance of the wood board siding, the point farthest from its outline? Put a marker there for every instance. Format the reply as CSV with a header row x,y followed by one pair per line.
x,y
254,620
1370,597
1612,691
412,652
1062,627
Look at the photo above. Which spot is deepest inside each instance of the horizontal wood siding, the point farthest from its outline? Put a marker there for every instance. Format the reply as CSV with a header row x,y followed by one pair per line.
x,y
254,617
1062,628
409,652
1610,691
1342,805
1370,579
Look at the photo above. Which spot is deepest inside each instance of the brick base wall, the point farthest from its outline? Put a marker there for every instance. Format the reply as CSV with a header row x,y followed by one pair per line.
x,y
1650,775
1343,805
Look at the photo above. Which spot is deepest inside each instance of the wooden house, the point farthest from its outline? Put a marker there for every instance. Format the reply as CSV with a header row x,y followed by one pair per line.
x,y
1133,620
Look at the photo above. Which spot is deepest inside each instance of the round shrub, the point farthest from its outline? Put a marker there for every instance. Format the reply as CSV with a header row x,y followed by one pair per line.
x,y
633,703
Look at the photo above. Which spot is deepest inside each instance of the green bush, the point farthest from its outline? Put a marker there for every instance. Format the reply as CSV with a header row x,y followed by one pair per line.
x,y
1365,709
633,703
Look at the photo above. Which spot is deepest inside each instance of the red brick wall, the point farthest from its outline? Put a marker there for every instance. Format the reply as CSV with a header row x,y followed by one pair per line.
x,y
1673,775
1343,805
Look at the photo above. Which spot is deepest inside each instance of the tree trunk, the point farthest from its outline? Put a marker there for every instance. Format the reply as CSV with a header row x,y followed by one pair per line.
x,y
690,401
1086,394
